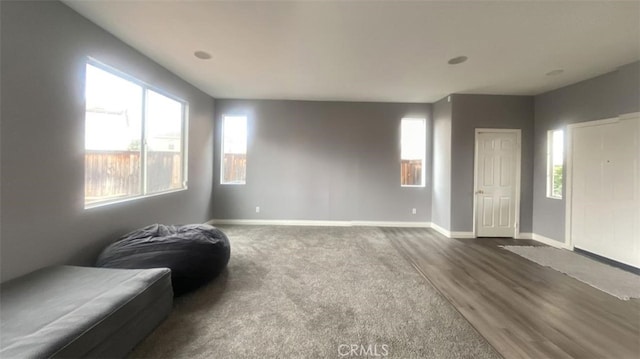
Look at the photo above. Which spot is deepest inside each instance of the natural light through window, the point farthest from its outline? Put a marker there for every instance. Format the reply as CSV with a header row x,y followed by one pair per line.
x,y
234,150
412,151
555,163
134,144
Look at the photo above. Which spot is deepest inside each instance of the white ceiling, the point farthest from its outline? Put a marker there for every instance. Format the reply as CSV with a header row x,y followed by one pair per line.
x,y
375,50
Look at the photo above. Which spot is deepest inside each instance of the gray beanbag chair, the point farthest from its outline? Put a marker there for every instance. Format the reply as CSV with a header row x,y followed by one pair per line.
x,y
195,253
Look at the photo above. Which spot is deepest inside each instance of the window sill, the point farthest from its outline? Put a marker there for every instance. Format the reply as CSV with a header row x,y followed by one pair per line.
x,y
558,198
129,199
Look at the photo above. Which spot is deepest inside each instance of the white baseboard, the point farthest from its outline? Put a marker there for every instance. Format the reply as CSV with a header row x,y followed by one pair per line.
x,y
296,222
278,222
525,235
550,242
444,232
449,234
465,235
391,224
462,235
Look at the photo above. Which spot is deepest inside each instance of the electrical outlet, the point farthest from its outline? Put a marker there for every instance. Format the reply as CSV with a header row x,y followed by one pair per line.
x,y
413,211
257,209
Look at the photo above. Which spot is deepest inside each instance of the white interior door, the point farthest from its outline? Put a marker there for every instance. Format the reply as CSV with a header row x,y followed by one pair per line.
x,y
497,166
605,189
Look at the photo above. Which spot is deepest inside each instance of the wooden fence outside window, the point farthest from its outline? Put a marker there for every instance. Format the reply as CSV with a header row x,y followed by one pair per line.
x,y
235,168
411,173
115,174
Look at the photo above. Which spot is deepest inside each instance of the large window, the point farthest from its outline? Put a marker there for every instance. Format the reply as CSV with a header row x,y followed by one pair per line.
x,y
555,163
134,138
234,150
413,136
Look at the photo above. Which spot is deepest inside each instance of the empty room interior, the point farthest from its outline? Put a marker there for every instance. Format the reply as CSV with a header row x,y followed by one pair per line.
x,y
324,179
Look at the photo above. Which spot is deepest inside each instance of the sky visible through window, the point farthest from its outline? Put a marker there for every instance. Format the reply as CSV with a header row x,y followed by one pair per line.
x,y
413,139
235,135
556,164
114,113
164,126
558,146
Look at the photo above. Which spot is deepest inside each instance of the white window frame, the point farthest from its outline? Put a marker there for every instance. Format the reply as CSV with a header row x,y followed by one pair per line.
x,y
550,154
423,152
144,193
222,153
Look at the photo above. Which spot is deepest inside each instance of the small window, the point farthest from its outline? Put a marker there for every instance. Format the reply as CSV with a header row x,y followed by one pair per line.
x,y
233,169
412,152
555,163
134,138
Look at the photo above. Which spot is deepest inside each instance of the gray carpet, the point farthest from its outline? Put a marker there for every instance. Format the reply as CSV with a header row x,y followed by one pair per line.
x,y
615,281
309,292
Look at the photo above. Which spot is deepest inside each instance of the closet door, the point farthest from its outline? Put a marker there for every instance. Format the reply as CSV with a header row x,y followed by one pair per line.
x,y
605,186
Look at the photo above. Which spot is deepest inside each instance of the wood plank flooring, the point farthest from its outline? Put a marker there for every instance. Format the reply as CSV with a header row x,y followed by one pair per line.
x,y
523,309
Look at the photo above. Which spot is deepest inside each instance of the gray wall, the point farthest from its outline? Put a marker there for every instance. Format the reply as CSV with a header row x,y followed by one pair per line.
x,y
602,97
487,111
43,49
441,195
322,161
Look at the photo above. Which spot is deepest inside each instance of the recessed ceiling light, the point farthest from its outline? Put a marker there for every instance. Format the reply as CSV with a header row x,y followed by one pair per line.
x,y
457,60
555,72
202,55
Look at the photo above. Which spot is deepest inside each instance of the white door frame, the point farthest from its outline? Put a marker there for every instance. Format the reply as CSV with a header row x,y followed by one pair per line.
x,y
518,149
568,236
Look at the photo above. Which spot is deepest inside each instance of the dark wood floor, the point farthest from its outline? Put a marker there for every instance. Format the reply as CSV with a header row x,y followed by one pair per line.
x,y
523,309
